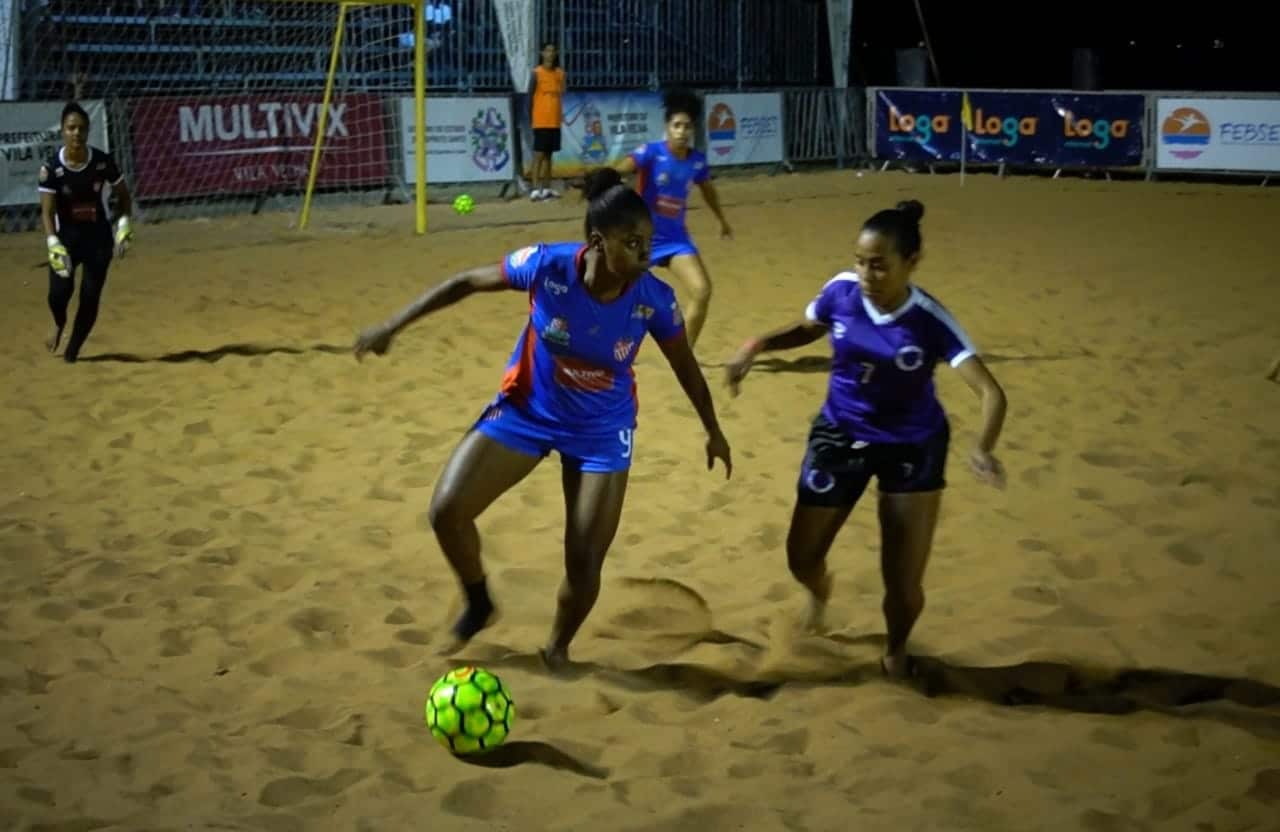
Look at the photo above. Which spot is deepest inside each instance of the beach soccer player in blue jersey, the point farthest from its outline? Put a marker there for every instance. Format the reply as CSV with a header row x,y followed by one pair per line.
x,y
569,387
664,171
881,418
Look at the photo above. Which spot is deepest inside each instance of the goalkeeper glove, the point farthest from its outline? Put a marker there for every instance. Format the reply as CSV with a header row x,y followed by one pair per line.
x,y
59,260
123,236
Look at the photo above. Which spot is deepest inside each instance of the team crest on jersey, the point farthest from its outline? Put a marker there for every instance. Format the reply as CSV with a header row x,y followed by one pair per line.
x,y
622,348
557,332
519,258
909,358
663,178
642,312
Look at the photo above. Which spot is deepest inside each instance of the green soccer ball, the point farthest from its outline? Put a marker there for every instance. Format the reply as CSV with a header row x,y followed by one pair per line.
x,y
469,711
464,204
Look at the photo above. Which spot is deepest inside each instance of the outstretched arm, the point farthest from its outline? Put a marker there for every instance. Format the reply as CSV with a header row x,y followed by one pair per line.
x,y
689,374
377,339
798,334
626,165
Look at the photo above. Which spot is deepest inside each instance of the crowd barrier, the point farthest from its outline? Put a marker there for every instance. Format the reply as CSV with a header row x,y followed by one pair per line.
x,y
190,147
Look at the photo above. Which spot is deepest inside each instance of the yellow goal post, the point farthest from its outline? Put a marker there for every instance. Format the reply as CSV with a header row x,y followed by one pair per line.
x,y
419,98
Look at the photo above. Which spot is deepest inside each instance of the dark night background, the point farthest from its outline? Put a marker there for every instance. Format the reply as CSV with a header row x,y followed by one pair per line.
x,y
1137,45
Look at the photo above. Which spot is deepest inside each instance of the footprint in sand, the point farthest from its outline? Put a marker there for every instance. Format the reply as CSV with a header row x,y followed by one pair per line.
x,y
1185,553
475,799
319,624
290,791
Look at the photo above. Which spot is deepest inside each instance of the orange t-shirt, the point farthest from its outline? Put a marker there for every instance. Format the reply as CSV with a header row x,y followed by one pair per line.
x,y
547,95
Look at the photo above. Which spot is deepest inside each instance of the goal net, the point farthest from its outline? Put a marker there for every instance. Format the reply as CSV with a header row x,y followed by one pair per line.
x,y
214,106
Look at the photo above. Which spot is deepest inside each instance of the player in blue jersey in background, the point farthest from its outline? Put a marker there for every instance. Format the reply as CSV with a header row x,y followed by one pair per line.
x,y
569,388
881,418
664,171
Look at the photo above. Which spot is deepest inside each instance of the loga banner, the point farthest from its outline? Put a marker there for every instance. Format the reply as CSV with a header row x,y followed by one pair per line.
x,y
600,128
1021,128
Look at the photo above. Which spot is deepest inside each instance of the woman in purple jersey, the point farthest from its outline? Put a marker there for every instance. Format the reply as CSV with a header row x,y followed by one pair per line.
x,y
569,389
881,418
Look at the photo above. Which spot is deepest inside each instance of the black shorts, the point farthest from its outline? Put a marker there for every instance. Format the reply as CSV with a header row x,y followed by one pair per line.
x,y
837,469
546,139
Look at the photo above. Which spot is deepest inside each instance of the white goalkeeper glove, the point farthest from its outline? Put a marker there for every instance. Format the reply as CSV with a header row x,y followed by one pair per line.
x,y
123,236
59,260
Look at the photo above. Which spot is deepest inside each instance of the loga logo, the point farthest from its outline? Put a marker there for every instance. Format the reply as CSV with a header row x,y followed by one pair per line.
x,y
1005,130
722,129
919,127
1185,132
1096,133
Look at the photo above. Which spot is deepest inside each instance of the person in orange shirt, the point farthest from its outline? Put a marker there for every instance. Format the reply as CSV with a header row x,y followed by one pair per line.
x,y
546,92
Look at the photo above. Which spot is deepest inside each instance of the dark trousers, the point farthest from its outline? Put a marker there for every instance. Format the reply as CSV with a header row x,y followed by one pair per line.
x,y
93,253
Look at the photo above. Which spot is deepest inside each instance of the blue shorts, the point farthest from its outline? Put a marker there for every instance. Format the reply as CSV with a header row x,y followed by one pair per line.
x,y
664,250
590,453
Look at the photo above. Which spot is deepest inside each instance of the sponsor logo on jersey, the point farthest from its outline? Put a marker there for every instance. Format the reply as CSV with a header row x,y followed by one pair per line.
x,y
574,374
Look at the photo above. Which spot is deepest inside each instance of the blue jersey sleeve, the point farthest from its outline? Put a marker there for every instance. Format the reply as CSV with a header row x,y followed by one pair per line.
x,y
642,157
701,170
520,267
820,308
667,321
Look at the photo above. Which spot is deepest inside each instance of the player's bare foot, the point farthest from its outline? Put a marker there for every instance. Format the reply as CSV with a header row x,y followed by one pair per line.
x,y
815,619
897,666
54,340
555,658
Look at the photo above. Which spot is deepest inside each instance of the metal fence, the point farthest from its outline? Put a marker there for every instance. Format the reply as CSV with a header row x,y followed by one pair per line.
x,y
141,47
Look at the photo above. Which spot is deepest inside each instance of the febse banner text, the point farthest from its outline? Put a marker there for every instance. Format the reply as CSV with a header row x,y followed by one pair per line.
x,y
1225,134
743,129
468,140
30,135
1044,129
197,145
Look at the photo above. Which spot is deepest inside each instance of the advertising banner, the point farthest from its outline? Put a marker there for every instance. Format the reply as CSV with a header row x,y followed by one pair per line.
x,y
197,145
743,129
1227,134
1019,128
31,133
600,128
468,140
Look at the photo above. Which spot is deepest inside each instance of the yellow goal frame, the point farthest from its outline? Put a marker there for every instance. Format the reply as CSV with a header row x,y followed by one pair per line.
x,y
419,103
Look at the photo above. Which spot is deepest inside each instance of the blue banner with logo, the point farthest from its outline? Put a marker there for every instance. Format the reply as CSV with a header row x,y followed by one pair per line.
x,y
1018,128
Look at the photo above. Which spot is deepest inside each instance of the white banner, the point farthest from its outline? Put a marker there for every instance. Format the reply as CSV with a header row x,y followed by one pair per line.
x,y
1227,134
30,134
839,31
743,128
518,21
468,140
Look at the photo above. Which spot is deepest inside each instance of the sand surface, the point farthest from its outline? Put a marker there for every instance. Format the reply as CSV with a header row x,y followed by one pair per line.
x,y
221,604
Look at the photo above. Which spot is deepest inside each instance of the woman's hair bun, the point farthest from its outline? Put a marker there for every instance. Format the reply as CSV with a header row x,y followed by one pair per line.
x,y
913,208
600,181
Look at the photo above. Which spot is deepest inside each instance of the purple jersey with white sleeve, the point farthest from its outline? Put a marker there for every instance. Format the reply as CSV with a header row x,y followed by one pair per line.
x,y
572,366
881,388
663,180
